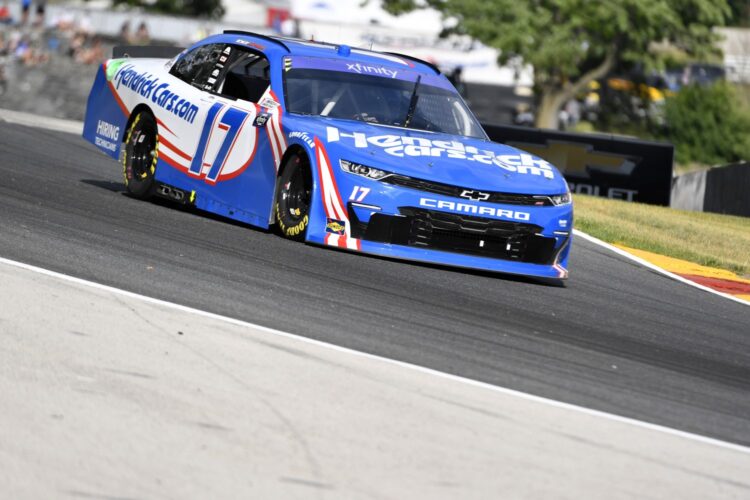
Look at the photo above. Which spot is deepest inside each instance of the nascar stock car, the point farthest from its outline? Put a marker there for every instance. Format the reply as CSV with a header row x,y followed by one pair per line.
x,y
334,145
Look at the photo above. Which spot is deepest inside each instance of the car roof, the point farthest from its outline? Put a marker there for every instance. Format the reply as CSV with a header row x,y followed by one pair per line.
x,y
280,46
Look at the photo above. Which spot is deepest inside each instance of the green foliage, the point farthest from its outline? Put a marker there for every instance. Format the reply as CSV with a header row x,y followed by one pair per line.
x,y
192,8
571,42
564,38
740,13
708,125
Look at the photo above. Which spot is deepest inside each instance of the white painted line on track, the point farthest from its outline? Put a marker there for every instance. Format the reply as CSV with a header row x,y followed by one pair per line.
x,y
430,371
656,268
75,127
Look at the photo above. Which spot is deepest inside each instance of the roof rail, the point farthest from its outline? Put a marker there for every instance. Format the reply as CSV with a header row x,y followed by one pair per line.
x,y
257,35
415,59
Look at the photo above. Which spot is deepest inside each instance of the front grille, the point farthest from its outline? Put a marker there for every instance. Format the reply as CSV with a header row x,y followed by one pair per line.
x,y
457,233
448,190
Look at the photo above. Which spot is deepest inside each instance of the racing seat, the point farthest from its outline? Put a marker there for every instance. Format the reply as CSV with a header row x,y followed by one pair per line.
x,y
233,87
247,88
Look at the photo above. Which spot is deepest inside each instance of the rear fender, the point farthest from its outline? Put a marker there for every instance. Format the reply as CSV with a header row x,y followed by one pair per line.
x,y
106,116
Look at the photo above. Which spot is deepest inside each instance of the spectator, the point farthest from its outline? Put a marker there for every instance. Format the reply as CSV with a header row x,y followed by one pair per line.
x,y
523,115
77,43
573,111
125,36
41,6
40,9
25,7
456,78
29,52
53,43
142,36
276,22
12,42
5,17
21,48
93,54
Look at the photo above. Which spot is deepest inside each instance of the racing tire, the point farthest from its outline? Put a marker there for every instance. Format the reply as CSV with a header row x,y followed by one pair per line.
x,y
293,198
141,154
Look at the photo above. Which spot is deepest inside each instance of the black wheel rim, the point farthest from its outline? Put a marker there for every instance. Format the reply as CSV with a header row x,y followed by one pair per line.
x,y
142,154
295,195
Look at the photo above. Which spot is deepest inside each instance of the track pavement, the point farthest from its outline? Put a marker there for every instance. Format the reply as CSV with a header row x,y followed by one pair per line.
x,y
168,402
617,337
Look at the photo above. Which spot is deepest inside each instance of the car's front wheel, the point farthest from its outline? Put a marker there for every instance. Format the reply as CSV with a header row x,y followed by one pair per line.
x,y
141,153
293,197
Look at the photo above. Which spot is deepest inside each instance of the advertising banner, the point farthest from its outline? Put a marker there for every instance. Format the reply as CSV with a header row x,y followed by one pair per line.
x,y
600,165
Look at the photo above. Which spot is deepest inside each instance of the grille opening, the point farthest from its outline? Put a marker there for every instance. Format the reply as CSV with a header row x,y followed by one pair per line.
x,y
457,233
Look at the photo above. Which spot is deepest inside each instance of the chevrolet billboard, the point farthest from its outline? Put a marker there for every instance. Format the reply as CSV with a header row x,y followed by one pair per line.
x,y
600,165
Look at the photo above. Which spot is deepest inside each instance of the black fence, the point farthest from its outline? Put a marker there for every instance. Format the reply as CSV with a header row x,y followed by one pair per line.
x,y
599,165
726,190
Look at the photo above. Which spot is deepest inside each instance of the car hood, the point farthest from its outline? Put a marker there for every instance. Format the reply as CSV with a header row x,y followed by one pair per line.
x,y
449,159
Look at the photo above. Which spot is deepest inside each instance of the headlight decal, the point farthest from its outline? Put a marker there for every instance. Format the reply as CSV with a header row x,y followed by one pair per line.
x,y
363,170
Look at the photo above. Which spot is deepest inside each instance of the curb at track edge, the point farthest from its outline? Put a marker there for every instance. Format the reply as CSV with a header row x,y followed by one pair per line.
x,y
656,268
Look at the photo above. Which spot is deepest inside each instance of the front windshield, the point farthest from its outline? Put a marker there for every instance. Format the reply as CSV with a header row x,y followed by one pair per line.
x,y
383,100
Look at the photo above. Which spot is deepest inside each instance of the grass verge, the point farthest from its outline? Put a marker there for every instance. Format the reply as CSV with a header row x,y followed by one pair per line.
x,y
714,240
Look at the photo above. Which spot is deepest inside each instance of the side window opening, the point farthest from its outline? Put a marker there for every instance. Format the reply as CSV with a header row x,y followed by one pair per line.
x,y
227,70
246,78
196,67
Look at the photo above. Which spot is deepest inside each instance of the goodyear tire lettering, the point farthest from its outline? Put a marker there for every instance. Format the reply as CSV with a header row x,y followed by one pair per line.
x,y
293,197
296,230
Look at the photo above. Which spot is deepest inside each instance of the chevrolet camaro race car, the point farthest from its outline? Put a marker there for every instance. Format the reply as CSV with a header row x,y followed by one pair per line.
x,y
361,150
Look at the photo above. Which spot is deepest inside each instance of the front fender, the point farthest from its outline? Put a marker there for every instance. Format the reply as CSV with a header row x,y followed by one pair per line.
x,y
329,221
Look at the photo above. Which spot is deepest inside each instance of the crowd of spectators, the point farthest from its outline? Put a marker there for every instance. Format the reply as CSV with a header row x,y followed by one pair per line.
x,y
33,39
31,44
141,35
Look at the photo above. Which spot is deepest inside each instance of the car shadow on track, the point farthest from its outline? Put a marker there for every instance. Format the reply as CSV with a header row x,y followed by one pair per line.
x,y
115,187
118,187
516,278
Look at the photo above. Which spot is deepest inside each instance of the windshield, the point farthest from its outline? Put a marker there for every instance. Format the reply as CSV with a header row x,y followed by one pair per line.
x,y
384,100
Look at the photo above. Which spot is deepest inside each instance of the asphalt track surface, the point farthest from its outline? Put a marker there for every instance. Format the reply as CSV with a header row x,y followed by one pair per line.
x,y
617,337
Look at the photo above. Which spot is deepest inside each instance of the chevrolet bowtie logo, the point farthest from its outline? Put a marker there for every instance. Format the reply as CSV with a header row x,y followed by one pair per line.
x,y
579,160
475,195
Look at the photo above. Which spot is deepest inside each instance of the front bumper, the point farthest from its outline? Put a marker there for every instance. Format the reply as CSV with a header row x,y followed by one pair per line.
x,y
457,233
394,221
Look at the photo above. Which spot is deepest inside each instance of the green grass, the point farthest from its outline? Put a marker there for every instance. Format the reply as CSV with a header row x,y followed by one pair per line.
x,y
714,240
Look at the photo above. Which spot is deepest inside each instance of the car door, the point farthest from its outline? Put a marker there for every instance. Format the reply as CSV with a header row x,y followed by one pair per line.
x,y
225,157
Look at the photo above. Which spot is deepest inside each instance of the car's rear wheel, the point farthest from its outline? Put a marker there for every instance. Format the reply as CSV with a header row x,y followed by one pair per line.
x,y
293,197
141,153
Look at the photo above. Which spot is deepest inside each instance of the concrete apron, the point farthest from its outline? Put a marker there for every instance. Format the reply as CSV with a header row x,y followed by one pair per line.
x,y
108,396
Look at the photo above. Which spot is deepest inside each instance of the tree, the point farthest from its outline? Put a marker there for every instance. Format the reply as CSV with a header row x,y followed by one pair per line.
x,y
570,43
708,124
740,15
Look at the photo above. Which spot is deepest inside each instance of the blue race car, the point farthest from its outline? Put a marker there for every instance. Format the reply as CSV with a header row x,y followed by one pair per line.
x,y
361,150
